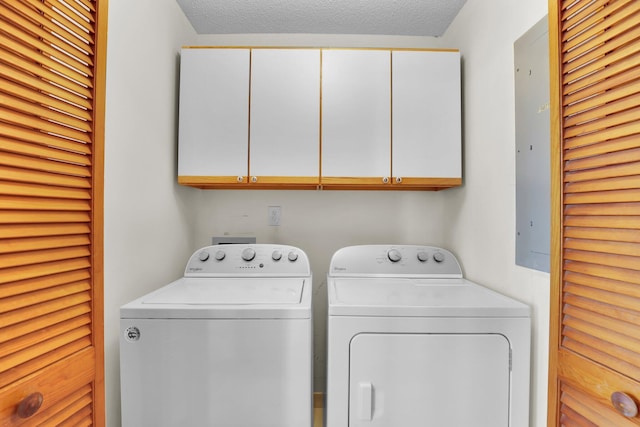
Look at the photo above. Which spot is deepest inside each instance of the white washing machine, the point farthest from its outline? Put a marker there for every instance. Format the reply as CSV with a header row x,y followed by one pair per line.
x,y
413,343
229,344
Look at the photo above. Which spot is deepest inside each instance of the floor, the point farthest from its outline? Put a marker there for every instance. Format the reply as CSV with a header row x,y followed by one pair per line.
x,y
318,405
317,417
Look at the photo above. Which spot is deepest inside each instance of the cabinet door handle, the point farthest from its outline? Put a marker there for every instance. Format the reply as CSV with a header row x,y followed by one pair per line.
x,y
254,179
398,179
240,179
30,405
624,404
385,180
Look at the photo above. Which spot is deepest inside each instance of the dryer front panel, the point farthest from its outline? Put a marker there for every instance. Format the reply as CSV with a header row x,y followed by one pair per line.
x,y
429,379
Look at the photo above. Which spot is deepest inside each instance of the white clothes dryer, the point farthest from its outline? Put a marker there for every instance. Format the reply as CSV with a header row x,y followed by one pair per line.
x,y
229,344
411,342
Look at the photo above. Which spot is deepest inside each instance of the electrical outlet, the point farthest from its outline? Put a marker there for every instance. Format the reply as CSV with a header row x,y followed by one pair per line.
x,y
273,215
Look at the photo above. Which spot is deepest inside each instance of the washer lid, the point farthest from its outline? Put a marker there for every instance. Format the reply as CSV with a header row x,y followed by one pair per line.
x,y
208,291
404,297
225,298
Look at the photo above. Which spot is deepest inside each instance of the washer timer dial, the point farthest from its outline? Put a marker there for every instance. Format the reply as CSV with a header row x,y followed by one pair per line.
x,y
394,255
248,254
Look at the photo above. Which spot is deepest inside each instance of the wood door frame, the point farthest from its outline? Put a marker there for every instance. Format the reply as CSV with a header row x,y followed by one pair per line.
x,y
556,211
97,221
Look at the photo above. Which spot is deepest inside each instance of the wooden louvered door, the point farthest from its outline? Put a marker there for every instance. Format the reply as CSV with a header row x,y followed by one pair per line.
x,y
595,303
51,166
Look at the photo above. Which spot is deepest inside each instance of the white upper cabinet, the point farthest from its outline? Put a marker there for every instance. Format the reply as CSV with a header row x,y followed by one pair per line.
x,y
328,118
214,113
285,113
356,115
426,114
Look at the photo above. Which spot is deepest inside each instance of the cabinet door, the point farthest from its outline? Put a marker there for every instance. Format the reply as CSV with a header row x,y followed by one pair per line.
x,y
356,115
214,114
426,115
285,115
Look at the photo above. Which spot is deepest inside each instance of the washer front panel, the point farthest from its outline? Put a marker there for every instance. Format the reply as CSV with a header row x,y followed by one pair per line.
x,y
222,372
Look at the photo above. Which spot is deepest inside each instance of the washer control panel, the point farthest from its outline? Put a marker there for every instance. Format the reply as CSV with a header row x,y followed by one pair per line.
x,y
247,260
395,260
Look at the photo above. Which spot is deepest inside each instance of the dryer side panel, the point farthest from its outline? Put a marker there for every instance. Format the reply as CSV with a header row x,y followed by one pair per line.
x,y
429,379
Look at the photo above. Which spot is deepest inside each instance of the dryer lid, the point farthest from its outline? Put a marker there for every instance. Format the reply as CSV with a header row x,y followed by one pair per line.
x,y
408,297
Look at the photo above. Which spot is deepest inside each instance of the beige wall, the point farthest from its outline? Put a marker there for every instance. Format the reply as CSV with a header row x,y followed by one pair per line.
x,y
481,221
148,217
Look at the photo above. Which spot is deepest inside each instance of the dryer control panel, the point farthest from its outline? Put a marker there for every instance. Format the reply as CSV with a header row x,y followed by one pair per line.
x,y
248,260
394,261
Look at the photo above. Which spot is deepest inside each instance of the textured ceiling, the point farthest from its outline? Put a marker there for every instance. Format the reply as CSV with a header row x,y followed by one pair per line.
x,y
381,17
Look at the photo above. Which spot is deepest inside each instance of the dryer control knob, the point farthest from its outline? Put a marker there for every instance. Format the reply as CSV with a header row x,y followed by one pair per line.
x,y
293,256
394,255
248,254
203,256
423,256
438,257
276,255
220,255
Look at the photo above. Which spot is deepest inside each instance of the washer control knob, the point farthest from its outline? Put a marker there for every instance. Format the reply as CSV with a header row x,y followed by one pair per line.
x,y
394,255
438,257
276,255
293,256
248,254
220,255
203,256
423,256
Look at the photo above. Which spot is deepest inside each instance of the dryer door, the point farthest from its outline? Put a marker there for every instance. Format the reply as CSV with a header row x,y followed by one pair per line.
x,y
430,380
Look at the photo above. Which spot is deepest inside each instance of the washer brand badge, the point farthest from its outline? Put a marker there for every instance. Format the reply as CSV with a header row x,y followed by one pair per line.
x,y
195,268
339,268
132,334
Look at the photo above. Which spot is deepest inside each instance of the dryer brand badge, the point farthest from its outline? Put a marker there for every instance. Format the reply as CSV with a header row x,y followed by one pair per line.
x,y
132,334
